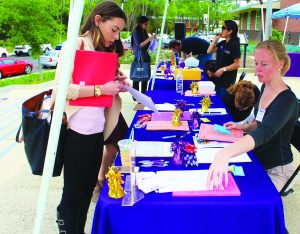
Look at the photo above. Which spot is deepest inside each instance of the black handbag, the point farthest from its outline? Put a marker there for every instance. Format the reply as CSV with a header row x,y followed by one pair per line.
x,y
140,70
36,133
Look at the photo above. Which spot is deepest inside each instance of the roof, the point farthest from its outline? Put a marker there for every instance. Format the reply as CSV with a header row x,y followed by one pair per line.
x,y
255,6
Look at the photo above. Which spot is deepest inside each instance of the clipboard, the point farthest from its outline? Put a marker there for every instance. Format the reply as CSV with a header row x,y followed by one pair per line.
x,y
94,68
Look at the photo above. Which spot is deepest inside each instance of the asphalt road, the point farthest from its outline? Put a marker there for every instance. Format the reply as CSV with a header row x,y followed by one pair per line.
x,y
29,59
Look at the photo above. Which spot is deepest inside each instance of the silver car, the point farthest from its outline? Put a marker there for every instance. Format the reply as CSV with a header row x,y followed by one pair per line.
x,y
50,58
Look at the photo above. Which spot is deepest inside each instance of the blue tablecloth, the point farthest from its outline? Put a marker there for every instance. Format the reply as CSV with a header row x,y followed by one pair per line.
x,y
163,84
259,209
295,65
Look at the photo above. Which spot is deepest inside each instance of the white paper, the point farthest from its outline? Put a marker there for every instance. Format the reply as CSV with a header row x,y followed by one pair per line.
x,y
142,98
153,149
211,111
206,155
163,107
153,45
191,180
147,181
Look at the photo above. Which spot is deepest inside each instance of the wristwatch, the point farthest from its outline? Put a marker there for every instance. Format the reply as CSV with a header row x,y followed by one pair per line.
x,y
97,90
224,69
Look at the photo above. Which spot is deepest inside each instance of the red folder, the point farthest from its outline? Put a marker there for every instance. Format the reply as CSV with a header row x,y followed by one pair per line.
x,y
94,68
207,132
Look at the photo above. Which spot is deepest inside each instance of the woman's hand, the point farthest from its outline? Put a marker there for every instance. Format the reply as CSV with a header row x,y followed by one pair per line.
x,y
233,125
111,88
219,72
121,77
152,37
217,171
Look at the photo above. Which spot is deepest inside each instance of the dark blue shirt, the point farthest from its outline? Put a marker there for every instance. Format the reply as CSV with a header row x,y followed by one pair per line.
x,y
194,45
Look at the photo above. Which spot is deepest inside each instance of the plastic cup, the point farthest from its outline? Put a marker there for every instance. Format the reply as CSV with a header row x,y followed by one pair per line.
x,y
127,152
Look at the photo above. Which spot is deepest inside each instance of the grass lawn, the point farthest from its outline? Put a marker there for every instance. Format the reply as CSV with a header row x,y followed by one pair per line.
x,y
28,79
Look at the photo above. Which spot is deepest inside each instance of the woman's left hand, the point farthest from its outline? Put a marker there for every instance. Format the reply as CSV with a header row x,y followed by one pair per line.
x,y
217,170
219,72
121,77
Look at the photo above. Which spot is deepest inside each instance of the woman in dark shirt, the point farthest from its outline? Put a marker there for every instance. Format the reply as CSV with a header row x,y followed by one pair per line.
x,y
275,113
240,98
140,41
228,57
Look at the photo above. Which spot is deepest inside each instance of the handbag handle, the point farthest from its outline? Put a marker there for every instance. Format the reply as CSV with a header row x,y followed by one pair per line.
x,y
140,57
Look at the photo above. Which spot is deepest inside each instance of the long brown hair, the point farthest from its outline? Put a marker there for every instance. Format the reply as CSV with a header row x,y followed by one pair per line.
x,y
107,10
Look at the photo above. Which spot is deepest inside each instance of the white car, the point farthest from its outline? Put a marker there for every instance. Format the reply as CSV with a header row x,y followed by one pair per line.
x,y
22,49
50,58
3,53
46,47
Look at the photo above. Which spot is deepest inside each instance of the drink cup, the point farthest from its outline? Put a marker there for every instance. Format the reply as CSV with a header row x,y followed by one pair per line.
x,y
127,152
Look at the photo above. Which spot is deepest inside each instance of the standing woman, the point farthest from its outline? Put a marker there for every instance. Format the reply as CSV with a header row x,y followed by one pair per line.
x,y
228,57
140,42
83,148
276,113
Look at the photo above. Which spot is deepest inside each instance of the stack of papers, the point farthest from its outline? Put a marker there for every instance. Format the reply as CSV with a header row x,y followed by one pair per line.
x,y
163,107
211,111
153,149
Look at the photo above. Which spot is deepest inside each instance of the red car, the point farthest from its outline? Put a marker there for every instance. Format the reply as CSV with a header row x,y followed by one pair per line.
x,y
9,67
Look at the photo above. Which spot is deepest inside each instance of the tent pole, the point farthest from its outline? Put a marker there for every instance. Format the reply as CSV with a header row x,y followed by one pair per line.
x,y
286,23
262,21
67,60
159,43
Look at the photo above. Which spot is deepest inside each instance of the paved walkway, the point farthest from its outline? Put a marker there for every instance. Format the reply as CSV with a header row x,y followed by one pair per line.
x,y
19,189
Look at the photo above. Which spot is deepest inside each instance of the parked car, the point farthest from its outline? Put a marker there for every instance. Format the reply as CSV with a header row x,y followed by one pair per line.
x,y
46,47
50,58
3,53
9,67
58,47
126,43
22,49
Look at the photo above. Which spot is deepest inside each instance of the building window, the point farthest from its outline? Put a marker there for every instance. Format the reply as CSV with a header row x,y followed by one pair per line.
x,y
258,20
242,21
249,20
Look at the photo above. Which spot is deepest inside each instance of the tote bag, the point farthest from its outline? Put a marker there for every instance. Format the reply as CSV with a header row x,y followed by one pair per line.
x,y
140,70
36,133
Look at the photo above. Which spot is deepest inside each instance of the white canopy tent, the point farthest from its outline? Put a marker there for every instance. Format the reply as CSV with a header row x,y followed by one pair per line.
x,y
291,12
76,10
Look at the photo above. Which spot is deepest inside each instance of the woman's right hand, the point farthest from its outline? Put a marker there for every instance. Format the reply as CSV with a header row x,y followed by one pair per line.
x,y
110,88
233,125
152,37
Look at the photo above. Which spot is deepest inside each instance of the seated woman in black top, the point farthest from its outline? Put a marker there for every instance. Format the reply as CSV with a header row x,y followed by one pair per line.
x,y
240,98
276,113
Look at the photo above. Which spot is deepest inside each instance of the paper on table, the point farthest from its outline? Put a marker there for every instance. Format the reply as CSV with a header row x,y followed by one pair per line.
x,y
142,98
231,190
191,180
207,132
209,144
163,107
211,111
153,149
147,181
206,155
167,125
189,93
168,116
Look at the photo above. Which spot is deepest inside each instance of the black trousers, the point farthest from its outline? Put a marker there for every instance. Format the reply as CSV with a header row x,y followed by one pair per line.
x,y
136,85
82,160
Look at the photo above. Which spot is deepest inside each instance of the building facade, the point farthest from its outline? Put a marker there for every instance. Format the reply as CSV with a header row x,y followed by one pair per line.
x,y
250,21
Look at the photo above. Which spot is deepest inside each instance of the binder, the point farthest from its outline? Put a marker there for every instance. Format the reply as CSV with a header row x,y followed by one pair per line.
x,y
94,68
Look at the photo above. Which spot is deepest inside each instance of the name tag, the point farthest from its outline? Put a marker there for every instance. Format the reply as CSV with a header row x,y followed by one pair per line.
x,y
260,115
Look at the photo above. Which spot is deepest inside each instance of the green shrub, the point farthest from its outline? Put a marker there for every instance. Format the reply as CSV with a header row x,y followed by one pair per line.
x,y
165,55
28,79
276,35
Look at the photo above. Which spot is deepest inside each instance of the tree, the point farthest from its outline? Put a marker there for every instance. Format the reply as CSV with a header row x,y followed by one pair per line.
x,y
32,22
